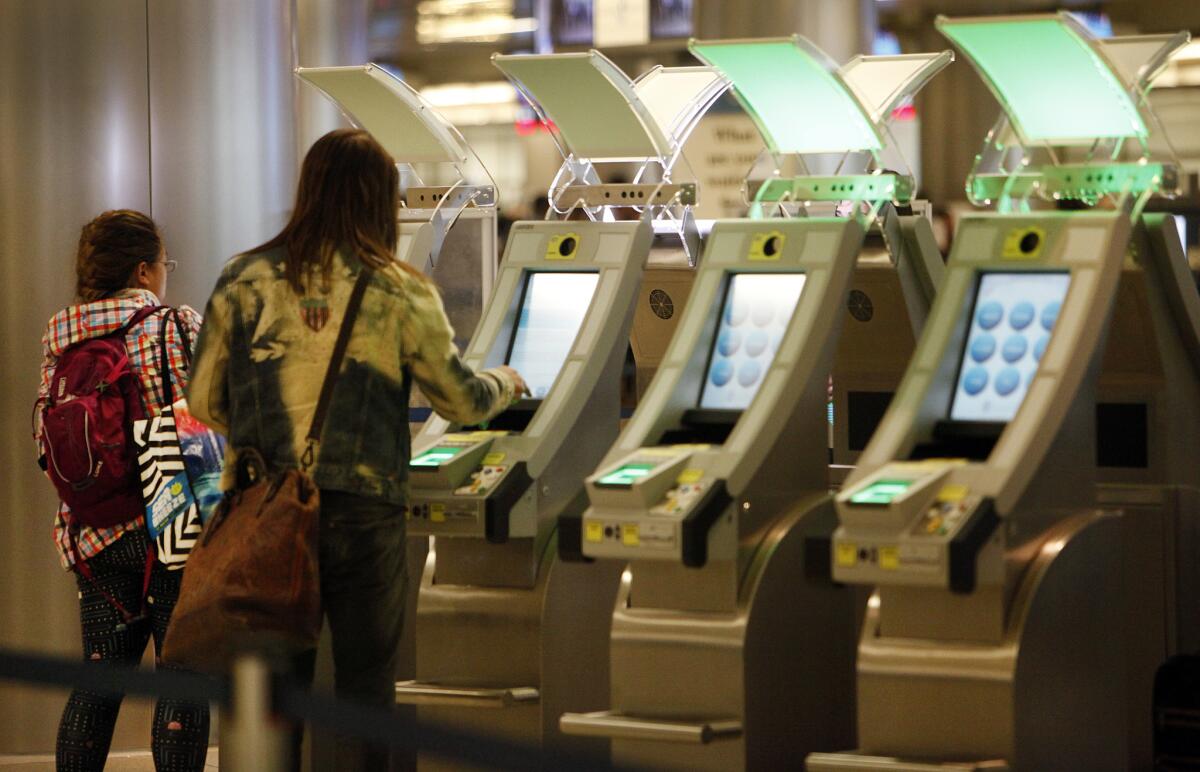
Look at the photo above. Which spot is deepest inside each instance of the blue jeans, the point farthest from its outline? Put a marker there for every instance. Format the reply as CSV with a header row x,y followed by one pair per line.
x,y
363,588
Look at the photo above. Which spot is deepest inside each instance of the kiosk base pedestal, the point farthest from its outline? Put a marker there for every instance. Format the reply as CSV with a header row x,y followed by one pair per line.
x,y
1061,689
755,686
490,661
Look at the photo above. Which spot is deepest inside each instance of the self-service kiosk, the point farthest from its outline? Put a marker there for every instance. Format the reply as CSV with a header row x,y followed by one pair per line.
x,y
508,636
722,656
1019,616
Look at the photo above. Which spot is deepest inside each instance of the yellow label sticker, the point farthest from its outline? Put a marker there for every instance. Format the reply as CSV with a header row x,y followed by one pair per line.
x,y
889,558
670,450
629,535
952,493
594,530
176,489
437,512
493,458
562,246
766,246
1023,243
847,554
689,476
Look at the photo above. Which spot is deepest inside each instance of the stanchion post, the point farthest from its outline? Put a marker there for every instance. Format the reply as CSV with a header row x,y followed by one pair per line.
x,y
252,740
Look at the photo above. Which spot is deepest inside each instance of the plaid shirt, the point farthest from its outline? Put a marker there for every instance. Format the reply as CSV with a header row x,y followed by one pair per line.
x,y
91,320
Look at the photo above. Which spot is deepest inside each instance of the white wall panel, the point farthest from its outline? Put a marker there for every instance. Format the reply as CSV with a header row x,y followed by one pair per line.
x,y
74,140
222,145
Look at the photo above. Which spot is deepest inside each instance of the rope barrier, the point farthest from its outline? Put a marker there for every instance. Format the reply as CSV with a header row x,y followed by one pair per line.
x,y
345,718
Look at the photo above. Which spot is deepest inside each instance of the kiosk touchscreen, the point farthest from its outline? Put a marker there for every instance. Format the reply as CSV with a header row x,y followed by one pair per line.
x,y
753,318
1017,621
1012,316
551,312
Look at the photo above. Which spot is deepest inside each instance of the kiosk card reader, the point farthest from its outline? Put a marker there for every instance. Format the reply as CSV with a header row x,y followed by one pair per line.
x,y
501,622
1014,626
722,656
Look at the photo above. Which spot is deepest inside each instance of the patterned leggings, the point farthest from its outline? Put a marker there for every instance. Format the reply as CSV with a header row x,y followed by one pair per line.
x,y
180,733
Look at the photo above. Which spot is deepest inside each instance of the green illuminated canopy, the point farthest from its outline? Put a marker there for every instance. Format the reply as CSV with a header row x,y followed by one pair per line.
x,y
794,94
1053,83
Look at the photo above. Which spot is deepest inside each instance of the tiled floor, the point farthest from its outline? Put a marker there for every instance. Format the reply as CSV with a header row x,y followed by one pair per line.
x,y
118,761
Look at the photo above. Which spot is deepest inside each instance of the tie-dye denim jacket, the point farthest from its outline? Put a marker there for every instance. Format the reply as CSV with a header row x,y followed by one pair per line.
x,y
263,352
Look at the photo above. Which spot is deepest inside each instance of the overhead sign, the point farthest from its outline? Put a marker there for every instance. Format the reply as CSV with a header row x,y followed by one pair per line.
x,y
620,23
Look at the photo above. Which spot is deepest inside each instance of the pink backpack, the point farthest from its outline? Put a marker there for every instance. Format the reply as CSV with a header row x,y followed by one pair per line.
x,y
87,424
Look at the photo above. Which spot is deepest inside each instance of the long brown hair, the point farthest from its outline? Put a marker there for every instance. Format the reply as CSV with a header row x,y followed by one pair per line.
x,y
111,247
348,198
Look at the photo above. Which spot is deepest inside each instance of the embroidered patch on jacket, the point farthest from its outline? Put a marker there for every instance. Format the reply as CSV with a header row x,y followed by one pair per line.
x,y
314,312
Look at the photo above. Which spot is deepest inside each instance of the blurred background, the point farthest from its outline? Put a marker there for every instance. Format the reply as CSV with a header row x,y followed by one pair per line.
x,y
189,111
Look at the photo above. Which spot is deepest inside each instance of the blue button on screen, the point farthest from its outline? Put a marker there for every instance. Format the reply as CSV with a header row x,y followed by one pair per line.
x,y
1022,315
1039,348
983,347
975,380
1050,314
1007,381
722,372
989,315
729,342
1014,348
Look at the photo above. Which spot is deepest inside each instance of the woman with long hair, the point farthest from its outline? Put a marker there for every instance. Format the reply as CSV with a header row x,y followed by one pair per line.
x,y
126,596
268,336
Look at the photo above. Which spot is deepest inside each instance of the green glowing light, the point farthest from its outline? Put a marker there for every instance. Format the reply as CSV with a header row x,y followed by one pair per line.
x,y
626,474
1054,86
881,492
799,104
435,456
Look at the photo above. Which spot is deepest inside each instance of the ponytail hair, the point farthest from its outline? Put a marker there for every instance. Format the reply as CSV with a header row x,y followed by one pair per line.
x,y
111,247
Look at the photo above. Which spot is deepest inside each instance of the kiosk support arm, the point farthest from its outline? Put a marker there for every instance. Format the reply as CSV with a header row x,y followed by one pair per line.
x,y
967,543
696,524
506,496
570,529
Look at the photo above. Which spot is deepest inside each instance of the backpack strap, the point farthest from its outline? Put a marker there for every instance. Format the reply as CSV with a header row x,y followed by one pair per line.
x,y
138,317
127,618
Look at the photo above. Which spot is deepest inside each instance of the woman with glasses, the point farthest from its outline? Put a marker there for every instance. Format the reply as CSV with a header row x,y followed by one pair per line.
x,y
125,595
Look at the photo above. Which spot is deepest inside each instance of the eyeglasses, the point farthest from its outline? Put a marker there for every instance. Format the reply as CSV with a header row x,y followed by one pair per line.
x,y
170,265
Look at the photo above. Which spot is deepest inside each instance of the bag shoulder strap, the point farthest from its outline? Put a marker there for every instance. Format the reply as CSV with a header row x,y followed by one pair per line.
x,y
164,356
335,366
